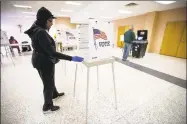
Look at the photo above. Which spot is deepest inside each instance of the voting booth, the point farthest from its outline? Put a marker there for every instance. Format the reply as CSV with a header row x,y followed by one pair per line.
x,y
100,38
5,43
4,37
139,46
65,37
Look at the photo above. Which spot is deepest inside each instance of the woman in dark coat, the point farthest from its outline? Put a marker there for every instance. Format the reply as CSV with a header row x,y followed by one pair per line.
x,y
45,57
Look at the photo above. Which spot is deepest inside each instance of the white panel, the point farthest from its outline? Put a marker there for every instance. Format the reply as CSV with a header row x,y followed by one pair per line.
x,y
4,38
101,39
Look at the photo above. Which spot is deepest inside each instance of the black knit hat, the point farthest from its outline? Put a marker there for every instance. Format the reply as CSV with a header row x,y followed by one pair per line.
x,y
44,14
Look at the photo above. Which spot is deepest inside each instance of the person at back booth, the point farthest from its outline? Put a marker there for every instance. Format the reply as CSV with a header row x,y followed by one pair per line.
x,y
129,37
14,41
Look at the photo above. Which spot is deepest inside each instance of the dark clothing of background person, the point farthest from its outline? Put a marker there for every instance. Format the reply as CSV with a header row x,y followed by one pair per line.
x,y
129,37
14,41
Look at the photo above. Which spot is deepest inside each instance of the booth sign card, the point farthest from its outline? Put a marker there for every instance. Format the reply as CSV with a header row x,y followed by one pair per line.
x,y
65,35
70,36
101,38
101,35
4,38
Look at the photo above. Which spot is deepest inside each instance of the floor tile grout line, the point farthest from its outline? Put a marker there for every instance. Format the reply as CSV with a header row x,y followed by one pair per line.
x,y
122,62
172,100
175,104
116,120
126,120
121,116
148,100
119,119
152,71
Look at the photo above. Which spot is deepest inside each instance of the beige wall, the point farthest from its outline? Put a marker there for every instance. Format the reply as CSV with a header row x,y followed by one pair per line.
x,y
65,21
137,22
155,23
164,17
149,25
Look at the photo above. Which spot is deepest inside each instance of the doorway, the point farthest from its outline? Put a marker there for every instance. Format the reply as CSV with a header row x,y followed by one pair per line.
x,y
174,41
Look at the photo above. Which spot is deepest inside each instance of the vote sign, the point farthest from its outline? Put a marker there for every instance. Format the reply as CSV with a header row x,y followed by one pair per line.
x,y
101,38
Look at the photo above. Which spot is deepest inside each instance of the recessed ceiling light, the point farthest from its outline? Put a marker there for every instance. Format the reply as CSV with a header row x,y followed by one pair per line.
x,y
63,15
131,4
66,10
32,13
90,18
23,6
101,8
124,11
13,16
73,3
165,2
29,16
21,16
106,17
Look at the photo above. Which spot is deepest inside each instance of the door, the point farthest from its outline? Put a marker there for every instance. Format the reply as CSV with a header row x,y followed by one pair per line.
x,y
172,38
121,31
181,52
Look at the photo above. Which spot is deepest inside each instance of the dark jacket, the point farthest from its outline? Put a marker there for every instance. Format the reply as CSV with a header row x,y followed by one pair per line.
x,y
13,41
44,47
129,36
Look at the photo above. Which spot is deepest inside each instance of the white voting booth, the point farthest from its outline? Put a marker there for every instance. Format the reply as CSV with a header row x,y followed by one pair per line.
x,y
66,36
99,38
5,43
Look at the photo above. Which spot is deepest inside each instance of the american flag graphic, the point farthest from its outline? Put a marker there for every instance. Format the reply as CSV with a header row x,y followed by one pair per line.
x,y
69,34
99,34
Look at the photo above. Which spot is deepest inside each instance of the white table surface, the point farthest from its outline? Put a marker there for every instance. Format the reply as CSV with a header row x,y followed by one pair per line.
x,y
15,44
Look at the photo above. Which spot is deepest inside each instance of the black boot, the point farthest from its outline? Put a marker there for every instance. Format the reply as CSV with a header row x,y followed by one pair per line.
x,y
58,95
50,108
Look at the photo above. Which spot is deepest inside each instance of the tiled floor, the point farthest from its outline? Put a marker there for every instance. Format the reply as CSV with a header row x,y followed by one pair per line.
x,y
142,98
169,65
167,77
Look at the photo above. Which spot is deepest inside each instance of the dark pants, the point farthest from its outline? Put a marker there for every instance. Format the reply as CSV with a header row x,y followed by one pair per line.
x,y
46,73
17,47
126,51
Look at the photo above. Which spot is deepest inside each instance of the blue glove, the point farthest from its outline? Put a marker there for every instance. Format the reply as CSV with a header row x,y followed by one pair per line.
x,y
77,59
